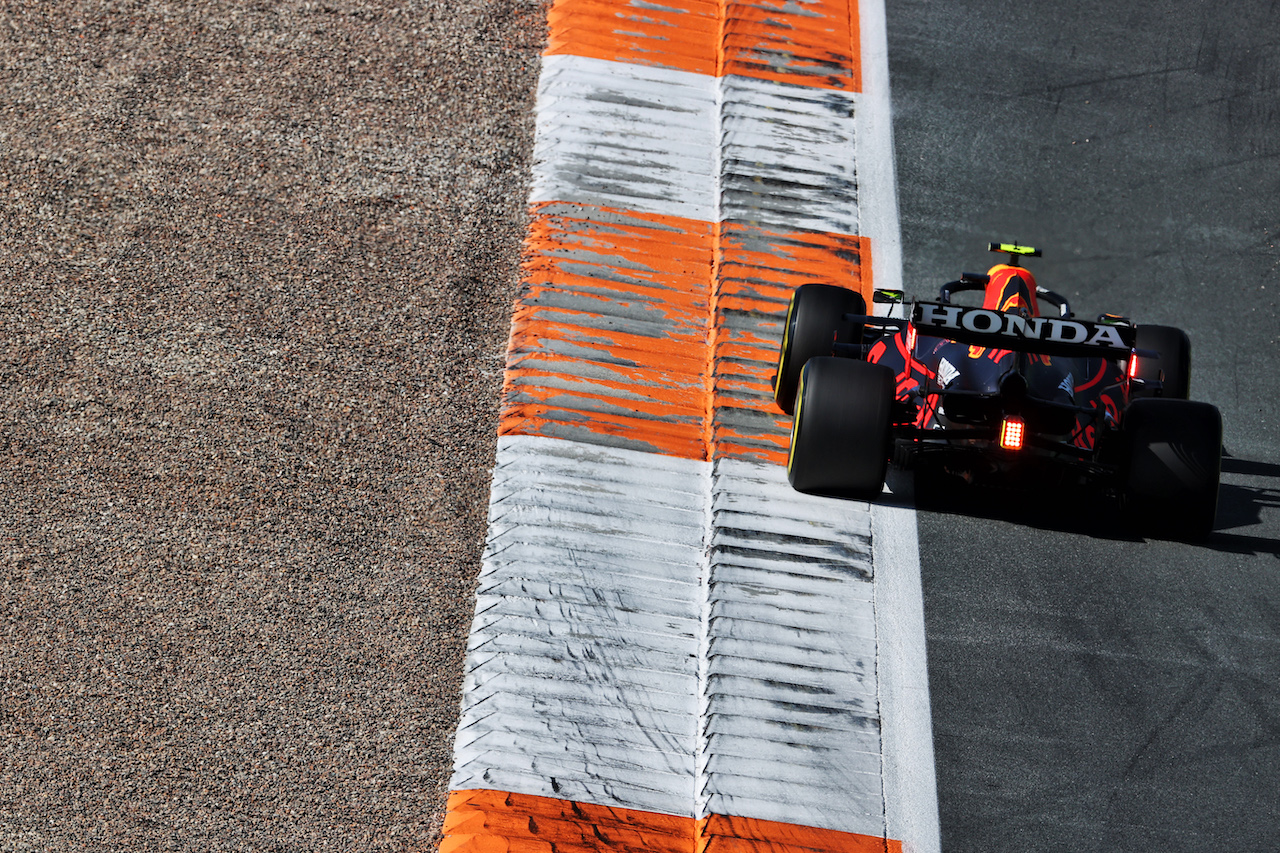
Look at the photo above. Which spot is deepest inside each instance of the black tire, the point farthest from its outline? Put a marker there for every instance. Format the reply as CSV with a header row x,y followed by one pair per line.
x,y
815,320
1175,361
840,436
1172,452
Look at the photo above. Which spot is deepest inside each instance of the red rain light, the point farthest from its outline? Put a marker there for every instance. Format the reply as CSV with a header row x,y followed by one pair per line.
x,y
1133,365
1012,433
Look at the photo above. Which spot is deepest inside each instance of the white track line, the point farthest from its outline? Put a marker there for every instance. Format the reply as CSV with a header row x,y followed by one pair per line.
x,y
910,782
877,172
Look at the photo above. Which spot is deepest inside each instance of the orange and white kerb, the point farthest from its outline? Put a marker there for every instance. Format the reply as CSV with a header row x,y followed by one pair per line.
x,y
672,650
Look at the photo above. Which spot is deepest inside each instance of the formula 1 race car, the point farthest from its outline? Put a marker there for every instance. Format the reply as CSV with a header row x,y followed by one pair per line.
x,y
998,394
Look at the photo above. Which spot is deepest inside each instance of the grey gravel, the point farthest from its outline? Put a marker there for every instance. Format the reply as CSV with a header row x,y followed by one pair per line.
x,y
256,269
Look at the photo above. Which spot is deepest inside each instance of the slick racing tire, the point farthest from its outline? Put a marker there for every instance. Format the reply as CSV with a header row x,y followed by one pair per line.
x,y
815,320
840,435
1172,452
1175,361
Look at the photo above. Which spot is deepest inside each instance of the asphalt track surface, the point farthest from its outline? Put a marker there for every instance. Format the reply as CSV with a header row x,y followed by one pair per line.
x,y
1092,690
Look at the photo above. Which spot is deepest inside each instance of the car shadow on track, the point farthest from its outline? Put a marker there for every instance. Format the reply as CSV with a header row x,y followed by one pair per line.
x,y
1248,497
1078,511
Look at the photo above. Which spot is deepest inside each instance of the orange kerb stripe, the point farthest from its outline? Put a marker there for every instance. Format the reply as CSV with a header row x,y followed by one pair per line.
x,y
756,273
484,821
678,34
809,43
496,822
610,335
721,834
806,42
751,256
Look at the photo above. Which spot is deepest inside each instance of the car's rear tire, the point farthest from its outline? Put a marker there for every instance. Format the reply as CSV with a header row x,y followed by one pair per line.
x,y
1172,456
1175,362
815,321
840,436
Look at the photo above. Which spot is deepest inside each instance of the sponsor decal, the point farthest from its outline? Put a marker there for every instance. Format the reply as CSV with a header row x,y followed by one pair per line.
x,y
1027,334
947,372
1068,385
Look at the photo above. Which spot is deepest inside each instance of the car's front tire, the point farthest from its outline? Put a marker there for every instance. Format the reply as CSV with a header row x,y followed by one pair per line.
x,y
840,437
815,321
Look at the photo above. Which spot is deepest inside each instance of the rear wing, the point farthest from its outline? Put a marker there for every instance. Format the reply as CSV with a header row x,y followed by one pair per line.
x,y
1046,335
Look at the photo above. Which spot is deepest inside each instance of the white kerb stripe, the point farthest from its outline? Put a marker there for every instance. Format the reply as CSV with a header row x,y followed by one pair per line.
x,y
787,156
791,728
625,136
581,672
676,143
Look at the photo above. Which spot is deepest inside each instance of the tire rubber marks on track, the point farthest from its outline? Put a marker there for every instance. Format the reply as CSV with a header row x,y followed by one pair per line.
x,y
756,272
581,676
608,342
601,596
636,230
626,136
629,661
787,157
791,724
732,149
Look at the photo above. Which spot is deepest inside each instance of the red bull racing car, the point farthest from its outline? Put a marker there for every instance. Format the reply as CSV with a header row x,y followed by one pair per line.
x,y
1016,391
